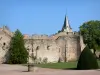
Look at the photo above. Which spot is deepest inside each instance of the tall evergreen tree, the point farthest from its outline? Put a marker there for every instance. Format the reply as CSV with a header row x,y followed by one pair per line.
x,y
18,52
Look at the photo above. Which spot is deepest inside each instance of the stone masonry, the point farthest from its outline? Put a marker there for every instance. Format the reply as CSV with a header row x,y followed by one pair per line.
x,y
61,47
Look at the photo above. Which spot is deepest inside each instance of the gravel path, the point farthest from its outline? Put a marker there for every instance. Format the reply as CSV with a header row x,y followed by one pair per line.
x,y
22,70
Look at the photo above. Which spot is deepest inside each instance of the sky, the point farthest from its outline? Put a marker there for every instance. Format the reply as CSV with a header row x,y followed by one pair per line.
x,y
46,16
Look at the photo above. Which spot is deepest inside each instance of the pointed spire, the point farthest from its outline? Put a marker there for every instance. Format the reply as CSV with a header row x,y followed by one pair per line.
x,y
66,26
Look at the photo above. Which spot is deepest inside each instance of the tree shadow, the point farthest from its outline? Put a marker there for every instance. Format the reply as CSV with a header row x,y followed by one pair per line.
x,y
98,70
70,69
80,69
26,71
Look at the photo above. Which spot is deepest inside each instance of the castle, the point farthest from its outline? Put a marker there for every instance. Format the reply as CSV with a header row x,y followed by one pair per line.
x,y
63,46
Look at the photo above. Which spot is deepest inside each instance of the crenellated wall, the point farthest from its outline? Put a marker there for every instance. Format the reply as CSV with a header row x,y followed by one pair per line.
x,y
62,47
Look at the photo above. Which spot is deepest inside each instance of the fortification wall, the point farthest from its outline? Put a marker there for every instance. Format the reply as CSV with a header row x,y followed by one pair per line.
x,y
46,48
35,36
4,46
73,48
69,44
82,43
65,34
43,50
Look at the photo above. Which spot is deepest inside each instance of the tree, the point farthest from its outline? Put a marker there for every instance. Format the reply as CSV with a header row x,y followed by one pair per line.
x,y
59,31
18,53
91,34
87,60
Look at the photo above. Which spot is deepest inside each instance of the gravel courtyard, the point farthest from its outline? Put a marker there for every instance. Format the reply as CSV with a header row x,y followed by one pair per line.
x,y
22,70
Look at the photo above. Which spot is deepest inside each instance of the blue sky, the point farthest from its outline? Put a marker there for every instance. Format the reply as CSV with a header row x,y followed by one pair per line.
x,y
46,16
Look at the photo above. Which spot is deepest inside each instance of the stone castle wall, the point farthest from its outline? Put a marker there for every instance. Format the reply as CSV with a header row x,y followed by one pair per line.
x,y
43,49
63,46
70,43
5,36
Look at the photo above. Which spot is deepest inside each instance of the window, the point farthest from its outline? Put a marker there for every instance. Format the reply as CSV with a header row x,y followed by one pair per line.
x,y
37,48
48,47
4,43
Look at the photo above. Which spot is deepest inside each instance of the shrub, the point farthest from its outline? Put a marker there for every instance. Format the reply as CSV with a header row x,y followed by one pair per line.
x,y
87,60
45,60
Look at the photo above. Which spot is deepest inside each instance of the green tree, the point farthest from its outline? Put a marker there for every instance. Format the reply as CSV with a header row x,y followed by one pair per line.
x,y
91,34
17,51
59,31
87,60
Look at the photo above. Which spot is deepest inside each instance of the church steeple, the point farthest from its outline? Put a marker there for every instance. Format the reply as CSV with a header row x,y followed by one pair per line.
x,y
66,26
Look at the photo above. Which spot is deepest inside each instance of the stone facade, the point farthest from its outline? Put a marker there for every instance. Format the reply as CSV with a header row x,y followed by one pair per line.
x,y
5,37
61,47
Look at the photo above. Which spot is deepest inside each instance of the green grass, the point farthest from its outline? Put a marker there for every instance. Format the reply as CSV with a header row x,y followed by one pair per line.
x,y
99,63
65,65
59,65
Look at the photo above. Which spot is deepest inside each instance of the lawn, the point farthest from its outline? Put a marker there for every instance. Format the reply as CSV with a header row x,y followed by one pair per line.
x,y
65,65
99,63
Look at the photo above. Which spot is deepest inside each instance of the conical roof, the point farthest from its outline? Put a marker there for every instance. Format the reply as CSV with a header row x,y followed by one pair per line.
x,y
66,26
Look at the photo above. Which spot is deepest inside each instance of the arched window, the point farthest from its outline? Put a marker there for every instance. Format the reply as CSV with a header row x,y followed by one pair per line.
x,y
4,43
4,47
37,48
48,47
